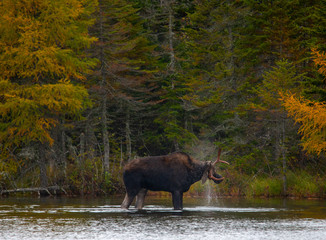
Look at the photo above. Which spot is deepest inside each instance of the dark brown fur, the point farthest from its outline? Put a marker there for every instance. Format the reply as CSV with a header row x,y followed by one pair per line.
x,y
173,173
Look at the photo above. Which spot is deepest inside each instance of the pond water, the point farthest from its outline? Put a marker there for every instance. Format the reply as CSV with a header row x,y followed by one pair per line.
x,y
75,218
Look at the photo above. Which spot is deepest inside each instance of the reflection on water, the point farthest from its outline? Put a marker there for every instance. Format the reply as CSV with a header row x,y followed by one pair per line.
x,y
66,218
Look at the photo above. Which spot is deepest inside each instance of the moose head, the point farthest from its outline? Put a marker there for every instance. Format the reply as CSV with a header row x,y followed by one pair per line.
x,y
210,173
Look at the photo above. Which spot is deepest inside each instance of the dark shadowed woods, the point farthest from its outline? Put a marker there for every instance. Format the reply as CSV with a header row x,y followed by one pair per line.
x,y
86,86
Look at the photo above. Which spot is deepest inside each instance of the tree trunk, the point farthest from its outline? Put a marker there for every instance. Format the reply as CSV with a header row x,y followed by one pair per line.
x,y
284,165
280,150
63,160
105,138
103,84
81,157
231,64
128,133
81,161
42,161
171,67
171,48
121,154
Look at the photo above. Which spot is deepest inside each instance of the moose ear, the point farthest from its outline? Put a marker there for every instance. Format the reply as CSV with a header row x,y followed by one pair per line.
x,y
204,177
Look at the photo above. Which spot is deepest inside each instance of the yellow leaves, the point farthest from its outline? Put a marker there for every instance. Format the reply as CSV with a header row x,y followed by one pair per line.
x,y
28,113
44,39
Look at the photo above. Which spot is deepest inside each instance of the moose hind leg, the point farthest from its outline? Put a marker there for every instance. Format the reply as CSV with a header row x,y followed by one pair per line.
x,y
177,200
140,198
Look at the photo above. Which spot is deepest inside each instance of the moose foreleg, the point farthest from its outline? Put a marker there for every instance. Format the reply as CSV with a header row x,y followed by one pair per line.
x,y
177,200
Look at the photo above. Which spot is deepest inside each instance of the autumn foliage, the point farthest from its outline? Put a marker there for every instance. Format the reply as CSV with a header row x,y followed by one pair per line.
x,y
311,115
28,113
320,61
312,119
87,85
41,50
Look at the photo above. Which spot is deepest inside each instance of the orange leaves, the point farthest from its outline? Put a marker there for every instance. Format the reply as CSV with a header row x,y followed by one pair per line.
x,y
312,117
320,61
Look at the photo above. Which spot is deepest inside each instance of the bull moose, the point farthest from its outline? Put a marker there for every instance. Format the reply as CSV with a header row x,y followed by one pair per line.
x,y
173,173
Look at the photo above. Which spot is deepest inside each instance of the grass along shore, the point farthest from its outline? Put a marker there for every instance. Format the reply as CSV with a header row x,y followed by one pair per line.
x,y
299,185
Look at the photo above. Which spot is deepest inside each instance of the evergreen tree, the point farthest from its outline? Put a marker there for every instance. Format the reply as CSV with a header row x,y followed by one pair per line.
x,y
281,78
273,31
213,70
164,21
215,65
123,83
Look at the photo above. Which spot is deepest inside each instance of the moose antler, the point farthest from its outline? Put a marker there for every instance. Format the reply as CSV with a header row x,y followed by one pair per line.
x,y
218,158
210,174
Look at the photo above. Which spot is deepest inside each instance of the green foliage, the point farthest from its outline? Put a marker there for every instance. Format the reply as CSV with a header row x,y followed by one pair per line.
x,y
122,47
267,187
8,168
300,184
86,177
280,79
304,184
212,45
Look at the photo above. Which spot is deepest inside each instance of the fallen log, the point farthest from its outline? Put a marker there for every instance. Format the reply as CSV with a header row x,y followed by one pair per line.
x,y
39,190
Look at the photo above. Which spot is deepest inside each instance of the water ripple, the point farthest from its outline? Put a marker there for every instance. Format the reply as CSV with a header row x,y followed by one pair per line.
x,y
158,221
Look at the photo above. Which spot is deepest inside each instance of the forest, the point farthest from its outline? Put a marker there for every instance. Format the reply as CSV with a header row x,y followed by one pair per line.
x,y
87,85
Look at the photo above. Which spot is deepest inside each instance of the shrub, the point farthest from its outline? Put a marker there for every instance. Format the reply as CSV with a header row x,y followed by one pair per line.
x,y
303,184
267,187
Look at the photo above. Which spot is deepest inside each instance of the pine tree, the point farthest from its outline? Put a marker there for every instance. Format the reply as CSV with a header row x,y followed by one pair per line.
x,y
123,83
274,31
164,21
42,40
279,29
213,70
212,42
279,79
28,113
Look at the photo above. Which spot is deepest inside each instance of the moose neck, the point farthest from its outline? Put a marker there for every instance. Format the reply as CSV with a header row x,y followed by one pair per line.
x,y
199,170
